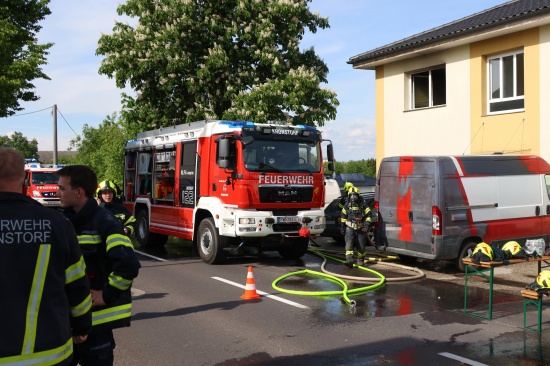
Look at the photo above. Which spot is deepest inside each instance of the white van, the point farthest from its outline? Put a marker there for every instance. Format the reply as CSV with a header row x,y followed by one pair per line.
x,y
440,207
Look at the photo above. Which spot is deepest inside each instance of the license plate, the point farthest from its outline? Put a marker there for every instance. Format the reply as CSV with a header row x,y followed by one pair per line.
x,y
284,219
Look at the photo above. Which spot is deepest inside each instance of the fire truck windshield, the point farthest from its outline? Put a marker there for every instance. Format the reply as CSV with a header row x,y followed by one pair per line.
x,y
44,178
282,156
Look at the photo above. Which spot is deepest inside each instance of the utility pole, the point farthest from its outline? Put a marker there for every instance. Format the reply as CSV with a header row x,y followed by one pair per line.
x,y
55,134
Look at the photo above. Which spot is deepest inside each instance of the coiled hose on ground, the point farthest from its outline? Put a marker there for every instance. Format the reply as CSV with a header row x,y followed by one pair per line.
x,y
377,281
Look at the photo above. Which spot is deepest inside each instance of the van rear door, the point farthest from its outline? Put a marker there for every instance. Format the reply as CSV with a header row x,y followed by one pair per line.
x,y
406,190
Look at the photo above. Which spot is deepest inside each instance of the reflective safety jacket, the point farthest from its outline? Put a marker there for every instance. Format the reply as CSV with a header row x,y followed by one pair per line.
x,y
356,216
43,284
122,214
111,264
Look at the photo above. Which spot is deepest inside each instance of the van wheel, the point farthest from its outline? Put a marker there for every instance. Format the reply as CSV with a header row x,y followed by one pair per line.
x,y
463,254
296,250
210,244
144,236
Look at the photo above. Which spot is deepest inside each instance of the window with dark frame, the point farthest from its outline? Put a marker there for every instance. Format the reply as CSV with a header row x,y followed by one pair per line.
x,y
506,82
428,88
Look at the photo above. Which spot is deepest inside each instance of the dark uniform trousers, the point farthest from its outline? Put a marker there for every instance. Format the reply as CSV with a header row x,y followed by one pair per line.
x,y
358,237
96,351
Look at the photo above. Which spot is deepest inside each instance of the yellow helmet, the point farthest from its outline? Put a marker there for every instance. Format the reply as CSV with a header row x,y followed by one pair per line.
x,y
512,246
543,279
106,185
347,186
484,248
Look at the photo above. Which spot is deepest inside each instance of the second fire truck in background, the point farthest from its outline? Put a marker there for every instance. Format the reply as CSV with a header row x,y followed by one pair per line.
x,y
41,182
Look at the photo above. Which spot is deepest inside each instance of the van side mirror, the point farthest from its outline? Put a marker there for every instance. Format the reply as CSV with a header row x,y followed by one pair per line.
x,y
27,183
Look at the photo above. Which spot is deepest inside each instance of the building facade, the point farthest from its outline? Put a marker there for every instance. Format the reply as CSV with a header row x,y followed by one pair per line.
x,y
473,86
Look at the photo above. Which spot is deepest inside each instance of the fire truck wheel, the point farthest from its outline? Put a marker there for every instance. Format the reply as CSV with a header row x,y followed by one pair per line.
x,y
296,250
144,236
209,243
464,252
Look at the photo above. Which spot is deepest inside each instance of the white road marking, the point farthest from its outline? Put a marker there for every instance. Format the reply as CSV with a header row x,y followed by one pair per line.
x,y
465,361
265,294
151,256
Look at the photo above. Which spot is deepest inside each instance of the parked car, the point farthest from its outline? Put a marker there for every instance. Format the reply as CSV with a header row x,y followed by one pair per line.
x,y
333,214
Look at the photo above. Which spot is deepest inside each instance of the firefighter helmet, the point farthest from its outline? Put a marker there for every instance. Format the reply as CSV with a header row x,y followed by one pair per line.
x,y
347,186
513,247
484,249
106,185
543,279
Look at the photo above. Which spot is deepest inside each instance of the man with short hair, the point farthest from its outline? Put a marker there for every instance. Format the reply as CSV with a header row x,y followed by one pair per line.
x,y
111,263
45,292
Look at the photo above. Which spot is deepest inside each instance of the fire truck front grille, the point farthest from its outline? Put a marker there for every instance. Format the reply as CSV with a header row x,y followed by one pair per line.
x,y
293,226
285,194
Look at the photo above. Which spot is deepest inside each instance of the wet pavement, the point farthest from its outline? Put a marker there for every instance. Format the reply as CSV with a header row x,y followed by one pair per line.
x,y
437,298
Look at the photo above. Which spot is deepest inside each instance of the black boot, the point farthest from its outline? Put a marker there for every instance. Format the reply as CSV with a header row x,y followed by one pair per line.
x,y
349,261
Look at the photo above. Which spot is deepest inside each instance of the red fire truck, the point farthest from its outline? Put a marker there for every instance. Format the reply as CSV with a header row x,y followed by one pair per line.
x,y
41,182
231,187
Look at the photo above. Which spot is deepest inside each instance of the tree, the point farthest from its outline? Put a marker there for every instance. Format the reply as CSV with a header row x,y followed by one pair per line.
x,y
102,148
21,55
231,59
29,149
365,167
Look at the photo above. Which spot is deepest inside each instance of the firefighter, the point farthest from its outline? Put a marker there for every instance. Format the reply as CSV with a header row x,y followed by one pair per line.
x,y
356,216
46,297
107,198
348,188
111,263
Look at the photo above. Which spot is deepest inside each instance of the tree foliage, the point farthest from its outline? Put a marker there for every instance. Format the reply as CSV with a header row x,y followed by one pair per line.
x,y
232,59
366,167
102,148
21,55
29,149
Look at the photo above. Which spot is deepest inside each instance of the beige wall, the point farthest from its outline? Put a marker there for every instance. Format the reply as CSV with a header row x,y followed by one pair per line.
x,y
431,131
380,128
512,133
544,52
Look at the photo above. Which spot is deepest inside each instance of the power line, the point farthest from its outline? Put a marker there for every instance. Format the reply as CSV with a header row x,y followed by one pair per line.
x,y
24,114
76,134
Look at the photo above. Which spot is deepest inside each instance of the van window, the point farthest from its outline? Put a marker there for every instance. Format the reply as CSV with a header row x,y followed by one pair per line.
x,y
547,179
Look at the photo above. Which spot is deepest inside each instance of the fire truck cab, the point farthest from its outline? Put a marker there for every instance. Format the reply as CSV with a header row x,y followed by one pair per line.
x,y
41,182
230,187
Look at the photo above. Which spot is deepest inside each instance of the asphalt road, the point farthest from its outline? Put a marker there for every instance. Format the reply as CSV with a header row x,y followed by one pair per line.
x,y
190,313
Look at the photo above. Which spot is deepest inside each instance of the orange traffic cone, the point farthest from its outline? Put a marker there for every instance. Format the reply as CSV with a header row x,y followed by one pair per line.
x,y
250,289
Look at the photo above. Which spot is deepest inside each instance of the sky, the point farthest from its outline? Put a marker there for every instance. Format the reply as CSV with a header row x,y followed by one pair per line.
x,y
83,96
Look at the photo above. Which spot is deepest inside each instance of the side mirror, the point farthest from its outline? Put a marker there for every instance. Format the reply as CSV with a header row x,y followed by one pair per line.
x,y
223,153
27,183
330,153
